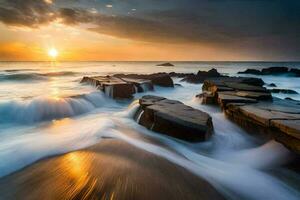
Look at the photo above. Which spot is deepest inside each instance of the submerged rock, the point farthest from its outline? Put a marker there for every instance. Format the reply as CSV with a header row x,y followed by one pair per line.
x,y
272,85
166,64
173,118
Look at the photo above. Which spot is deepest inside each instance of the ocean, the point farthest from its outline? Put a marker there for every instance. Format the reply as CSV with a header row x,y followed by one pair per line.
x,y
46,111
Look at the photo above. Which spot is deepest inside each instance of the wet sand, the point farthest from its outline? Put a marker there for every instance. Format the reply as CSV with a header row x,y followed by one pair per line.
x,y
111,169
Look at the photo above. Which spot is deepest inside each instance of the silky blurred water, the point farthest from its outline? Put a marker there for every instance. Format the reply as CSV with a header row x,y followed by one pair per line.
x,y
44,111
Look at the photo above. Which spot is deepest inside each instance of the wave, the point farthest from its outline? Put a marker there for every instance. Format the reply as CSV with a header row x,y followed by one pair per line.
x,y
63,73
41,109
33,76
19,70
22,77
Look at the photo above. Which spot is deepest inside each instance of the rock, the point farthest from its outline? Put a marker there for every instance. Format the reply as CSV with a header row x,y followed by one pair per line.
x,y
141,85
233,83
112,86
295,71
251,107
272,85
207,98
201,76
284,91
225,98
278,119
161,79
177,84
294,100
267,71
175,119
254,95
180,75
245,87
274,70
290,127
251,81
251,71
166,64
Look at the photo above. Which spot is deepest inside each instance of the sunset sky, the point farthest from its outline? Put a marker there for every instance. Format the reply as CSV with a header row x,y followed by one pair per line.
x,y
150,29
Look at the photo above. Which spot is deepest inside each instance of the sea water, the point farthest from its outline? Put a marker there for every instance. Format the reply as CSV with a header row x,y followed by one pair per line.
x,y
44,111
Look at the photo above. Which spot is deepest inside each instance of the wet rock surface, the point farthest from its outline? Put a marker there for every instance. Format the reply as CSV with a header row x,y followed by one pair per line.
x,y
160,79
125,85
180,75
255,109
173,118
112,86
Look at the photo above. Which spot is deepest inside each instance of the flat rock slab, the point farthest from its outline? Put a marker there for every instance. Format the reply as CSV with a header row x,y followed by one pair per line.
x,y
125,85
160,79
112,86
175,119
141,85
253,107
279,118
254,95
290,127
224,98
245,87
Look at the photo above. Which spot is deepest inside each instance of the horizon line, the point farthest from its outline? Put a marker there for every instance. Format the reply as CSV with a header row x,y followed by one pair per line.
x,y
151,61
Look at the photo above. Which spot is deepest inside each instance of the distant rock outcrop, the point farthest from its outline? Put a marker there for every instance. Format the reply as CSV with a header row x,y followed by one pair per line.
x,y
173,118
166,64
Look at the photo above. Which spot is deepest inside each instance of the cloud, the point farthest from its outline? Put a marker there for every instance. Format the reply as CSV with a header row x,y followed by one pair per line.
x,y
252,24
31,13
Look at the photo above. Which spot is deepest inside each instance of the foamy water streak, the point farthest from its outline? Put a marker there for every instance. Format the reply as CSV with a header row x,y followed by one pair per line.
x,y
56,138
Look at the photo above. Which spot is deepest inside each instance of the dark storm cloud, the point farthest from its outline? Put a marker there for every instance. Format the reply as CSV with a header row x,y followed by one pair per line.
x,y
256,24
31,13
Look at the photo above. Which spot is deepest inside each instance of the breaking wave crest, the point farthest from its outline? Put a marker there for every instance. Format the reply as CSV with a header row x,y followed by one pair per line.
x,y
33,76
45,108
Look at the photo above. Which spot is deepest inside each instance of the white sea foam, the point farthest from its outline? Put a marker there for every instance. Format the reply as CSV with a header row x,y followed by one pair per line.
x,y
49,108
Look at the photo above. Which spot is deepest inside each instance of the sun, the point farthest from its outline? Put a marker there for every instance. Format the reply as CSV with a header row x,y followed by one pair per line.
x,y
53,53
